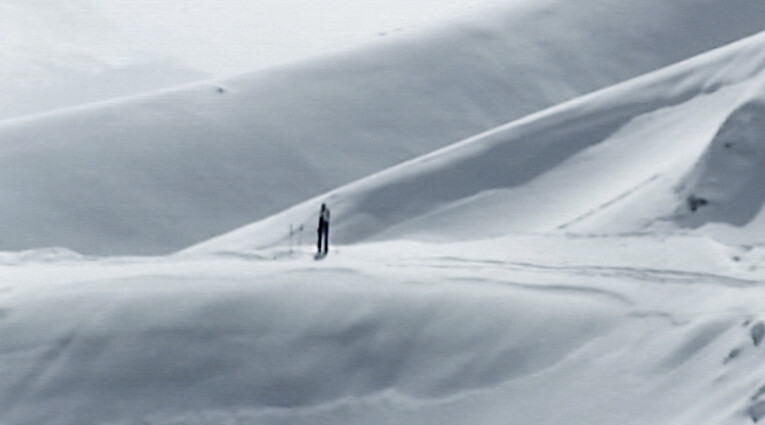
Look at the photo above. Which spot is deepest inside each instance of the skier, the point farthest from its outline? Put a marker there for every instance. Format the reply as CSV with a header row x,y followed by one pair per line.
x,y
323,242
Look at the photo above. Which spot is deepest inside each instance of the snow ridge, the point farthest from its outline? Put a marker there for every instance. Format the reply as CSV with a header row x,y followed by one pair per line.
x,y
536,174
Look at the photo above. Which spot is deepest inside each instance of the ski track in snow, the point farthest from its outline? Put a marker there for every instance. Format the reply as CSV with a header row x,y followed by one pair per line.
x,y
640,274
611,202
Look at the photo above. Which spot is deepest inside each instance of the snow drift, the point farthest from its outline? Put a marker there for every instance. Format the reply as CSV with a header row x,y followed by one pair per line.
x,y
157,173
639,329
130,347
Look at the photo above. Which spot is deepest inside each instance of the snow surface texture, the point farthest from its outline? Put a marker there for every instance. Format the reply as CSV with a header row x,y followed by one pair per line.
x,y
633,330
157,173
595,263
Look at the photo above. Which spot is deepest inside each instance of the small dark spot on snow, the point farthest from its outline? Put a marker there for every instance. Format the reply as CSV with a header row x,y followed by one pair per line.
x,y
758,333
728,145
732,355
220,90
736,258
694,202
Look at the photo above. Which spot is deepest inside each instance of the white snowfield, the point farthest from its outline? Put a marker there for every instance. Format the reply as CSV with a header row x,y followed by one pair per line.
x,y
599,262
636,157
544,329
156,173
62,54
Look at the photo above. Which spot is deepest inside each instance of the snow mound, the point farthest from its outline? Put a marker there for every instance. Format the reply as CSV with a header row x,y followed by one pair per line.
x,y
483,332
609,162
131,347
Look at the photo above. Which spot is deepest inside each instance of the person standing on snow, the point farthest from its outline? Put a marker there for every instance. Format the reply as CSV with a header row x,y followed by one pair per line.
x,y
323,242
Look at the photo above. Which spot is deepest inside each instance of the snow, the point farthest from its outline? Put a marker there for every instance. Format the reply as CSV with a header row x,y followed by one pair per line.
x,y
552,268
616,161
227,37
155,173
57,55
258,320
235,36
400,332
729,178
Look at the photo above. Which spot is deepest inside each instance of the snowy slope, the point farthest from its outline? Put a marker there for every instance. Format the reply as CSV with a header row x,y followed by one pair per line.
x,y
228,37
234,36
61,54
578,278
156,173
627,159
537,329
728,184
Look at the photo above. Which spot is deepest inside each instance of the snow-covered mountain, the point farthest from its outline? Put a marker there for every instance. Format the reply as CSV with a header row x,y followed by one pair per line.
x,y
159,172
57,55
678,148
597,262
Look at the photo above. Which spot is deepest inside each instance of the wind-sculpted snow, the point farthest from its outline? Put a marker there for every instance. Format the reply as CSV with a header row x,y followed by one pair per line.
x,y
600,262
608,162
654,329
728,184
156,173
289,338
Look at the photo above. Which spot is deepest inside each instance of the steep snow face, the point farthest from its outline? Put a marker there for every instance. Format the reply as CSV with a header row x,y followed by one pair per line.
x,y
62,54
728,184
608,162
157,173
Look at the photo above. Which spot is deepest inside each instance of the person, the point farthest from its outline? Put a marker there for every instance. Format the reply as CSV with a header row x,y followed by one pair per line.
x,y
323,242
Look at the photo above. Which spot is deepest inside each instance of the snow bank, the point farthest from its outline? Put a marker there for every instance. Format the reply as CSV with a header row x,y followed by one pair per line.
x,y
162,346
157,173
605,330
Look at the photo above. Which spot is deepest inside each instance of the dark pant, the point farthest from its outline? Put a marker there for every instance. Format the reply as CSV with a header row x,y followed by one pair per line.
x,y
323,243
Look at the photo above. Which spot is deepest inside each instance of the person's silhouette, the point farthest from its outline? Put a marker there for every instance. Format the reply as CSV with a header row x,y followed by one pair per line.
x,y
322,244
